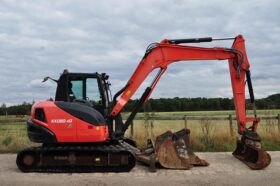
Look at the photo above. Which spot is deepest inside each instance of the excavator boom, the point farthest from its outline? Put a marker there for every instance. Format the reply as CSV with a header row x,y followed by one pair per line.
x,y
161,55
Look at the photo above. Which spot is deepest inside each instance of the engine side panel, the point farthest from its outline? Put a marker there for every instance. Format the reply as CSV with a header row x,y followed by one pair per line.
x,y
66,127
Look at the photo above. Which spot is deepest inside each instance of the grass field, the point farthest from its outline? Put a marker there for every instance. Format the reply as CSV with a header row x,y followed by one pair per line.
x,y
205,135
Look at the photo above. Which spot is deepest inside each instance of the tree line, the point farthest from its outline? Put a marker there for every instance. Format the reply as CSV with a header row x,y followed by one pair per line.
x,y
21,109
202,104
169,105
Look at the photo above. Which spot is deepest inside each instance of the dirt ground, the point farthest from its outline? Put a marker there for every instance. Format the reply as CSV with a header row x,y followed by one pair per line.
x,y
224,169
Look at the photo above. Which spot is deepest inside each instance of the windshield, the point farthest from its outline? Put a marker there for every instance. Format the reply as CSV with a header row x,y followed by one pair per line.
x,y
85,88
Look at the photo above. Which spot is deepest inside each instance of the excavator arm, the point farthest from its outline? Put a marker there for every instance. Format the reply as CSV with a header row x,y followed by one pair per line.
x,y
161,55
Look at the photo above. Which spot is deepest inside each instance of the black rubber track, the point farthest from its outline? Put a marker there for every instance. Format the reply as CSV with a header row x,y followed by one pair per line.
x,y
38,153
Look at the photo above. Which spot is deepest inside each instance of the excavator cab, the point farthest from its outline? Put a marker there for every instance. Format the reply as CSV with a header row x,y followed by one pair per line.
x,y
91,89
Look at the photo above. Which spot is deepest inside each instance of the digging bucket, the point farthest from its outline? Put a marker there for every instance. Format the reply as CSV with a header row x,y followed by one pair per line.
x,y
172,151
249,151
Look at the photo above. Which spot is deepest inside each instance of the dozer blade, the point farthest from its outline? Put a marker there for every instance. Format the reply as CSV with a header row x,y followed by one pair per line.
x,y
171,150
249,151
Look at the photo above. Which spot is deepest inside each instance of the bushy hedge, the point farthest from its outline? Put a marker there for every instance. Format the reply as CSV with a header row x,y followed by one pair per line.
x,y
169,105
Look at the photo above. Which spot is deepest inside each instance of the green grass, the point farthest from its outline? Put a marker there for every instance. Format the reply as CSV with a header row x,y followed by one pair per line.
x,y
12,117
13,137
211,136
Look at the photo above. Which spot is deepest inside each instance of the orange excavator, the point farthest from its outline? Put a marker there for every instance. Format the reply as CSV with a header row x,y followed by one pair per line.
x,y
81,132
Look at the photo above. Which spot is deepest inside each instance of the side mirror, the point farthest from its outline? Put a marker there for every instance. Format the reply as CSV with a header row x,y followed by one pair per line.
x,y
47,78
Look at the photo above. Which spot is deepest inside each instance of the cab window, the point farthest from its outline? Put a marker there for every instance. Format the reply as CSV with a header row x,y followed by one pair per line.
x,y
85,88
92,91
76,89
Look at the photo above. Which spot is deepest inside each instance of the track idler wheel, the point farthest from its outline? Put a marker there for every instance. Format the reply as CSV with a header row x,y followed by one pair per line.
x,y
27,160
249,151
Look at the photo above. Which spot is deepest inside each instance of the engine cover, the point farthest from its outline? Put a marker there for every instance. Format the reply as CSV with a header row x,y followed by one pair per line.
x,y
66,122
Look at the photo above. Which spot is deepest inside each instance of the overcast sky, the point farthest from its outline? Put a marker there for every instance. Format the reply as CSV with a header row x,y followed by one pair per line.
x,y
41,38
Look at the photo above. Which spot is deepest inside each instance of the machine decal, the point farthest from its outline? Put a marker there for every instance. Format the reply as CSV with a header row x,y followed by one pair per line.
x,y
61,121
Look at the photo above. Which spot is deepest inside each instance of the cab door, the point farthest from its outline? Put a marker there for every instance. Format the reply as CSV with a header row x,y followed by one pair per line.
x,y
91,93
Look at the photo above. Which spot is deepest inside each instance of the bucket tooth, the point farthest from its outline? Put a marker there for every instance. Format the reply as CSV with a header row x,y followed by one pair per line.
x,y
249,151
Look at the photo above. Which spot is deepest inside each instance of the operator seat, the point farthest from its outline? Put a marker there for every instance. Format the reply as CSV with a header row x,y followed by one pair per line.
x,y
71,94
